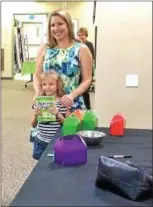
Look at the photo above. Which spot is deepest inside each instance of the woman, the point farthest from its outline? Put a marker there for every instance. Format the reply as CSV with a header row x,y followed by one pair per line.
x,y
67,57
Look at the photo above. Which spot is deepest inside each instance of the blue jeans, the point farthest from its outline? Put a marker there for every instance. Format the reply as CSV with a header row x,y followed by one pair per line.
x,y
38,148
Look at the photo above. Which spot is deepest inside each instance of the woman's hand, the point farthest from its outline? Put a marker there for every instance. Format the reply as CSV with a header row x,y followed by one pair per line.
x,y
67,100
53,110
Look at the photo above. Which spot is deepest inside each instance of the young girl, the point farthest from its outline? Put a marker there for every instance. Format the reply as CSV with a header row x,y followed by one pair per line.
x,y
51,85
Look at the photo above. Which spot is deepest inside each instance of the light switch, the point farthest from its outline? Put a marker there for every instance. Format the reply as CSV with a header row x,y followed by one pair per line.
x,y
132,80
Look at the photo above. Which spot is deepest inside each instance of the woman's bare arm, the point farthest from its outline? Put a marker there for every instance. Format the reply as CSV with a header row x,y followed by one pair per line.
x,y
86,62
39,68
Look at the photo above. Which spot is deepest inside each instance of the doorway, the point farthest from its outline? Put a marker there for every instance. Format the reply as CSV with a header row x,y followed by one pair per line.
x,y
29,32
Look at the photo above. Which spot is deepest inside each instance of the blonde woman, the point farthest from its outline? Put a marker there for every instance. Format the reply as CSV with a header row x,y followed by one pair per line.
x,y
68,58
51,85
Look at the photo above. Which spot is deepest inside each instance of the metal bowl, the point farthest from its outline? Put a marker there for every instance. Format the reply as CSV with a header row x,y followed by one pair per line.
x,y
92,137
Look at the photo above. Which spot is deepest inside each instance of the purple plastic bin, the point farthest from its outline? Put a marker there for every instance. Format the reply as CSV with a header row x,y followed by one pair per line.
x,y
70,150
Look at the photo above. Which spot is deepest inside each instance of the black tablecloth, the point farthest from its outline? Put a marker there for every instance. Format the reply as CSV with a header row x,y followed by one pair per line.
x,y
50,184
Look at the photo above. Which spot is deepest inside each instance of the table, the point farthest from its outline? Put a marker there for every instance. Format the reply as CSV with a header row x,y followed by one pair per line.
x,y
28,67
50,184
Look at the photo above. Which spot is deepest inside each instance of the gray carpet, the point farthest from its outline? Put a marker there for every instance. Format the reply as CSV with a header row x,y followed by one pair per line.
x,y
16,148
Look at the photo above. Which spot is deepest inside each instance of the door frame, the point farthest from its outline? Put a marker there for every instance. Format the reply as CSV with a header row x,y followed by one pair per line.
x,y
35,13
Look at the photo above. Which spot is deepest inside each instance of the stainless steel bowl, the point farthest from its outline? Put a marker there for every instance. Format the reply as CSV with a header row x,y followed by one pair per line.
x,y
92,137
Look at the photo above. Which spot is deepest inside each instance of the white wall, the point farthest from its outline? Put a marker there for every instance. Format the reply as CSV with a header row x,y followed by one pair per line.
x,y
124,46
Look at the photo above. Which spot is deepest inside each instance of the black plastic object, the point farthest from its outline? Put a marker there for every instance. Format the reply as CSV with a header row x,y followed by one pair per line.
x,y
124,178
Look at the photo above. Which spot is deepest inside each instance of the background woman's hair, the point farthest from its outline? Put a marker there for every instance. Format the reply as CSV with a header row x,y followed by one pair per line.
x,y
67,19
60,84
83,30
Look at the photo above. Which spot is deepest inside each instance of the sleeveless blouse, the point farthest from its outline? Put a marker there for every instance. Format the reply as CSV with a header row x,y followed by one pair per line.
x,y
65,62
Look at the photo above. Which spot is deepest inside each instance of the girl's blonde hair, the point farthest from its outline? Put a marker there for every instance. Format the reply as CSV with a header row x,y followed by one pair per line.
x,y
52,74
67,19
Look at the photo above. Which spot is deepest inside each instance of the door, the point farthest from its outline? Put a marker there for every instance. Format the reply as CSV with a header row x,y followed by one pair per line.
x,y
33,38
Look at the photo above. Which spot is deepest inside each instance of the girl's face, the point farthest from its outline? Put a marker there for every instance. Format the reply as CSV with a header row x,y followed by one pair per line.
x,y
59,28
49,86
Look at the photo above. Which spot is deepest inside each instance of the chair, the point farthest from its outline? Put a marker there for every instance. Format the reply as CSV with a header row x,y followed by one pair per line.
x,y
28,67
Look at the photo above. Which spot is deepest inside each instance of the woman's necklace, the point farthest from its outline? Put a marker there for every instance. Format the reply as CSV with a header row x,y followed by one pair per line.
x,y
66,47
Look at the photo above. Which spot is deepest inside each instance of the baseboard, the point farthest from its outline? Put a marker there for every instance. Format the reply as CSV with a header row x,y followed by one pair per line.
x,y
6,78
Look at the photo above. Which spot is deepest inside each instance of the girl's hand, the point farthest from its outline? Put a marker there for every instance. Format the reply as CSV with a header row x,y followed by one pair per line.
x,y
53,110
67,100
36,112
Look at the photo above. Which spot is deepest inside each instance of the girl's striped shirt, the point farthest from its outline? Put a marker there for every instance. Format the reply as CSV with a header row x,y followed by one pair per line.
x,y
45,131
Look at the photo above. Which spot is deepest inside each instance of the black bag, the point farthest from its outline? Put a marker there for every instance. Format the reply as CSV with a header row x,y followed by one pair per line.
x,y
126,179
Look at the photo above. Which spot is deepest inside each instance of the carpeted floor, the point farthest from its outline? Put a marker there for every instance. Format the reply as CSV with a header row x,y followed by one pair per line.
x,y
16,148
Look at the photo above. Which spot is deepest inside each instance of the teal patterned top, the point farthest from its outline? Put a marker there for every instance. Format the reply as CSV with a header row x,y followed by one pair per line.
x,y
66,63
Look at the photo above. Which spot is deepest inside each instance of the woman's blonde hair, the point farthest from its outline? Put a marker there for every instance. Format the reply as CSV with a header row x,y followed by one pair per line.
x,y
55,76
67,19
